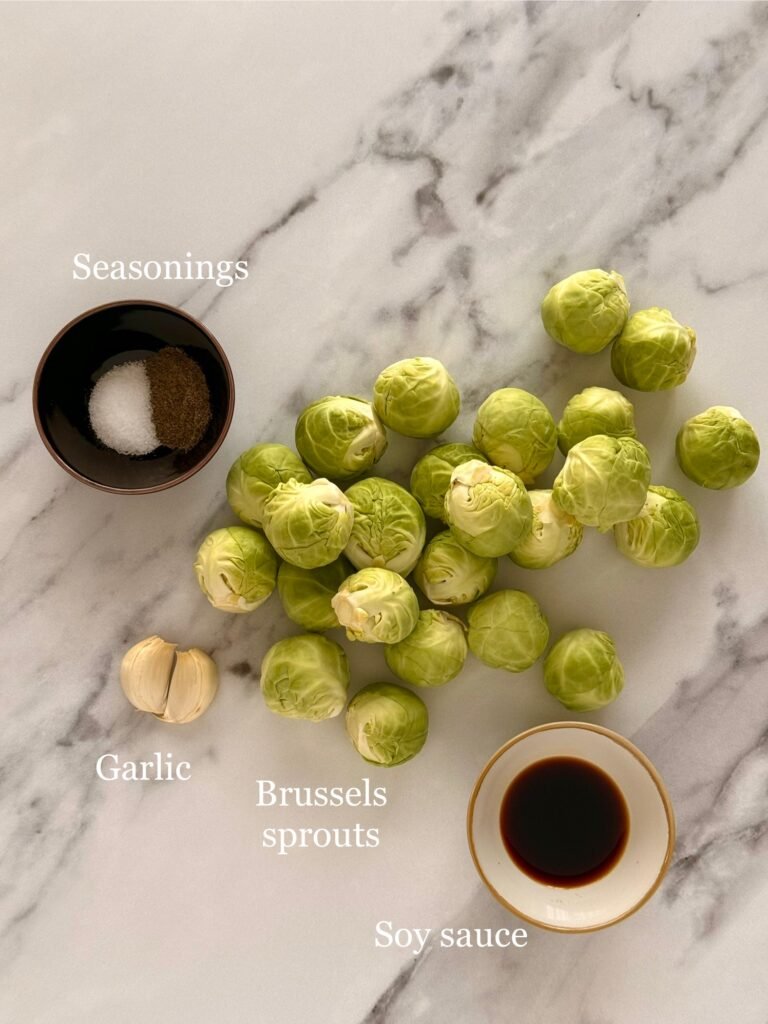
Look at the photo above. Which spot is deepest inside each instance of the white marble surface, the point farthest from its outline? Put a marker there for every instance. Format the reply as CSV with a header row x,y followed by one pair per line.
x,y
403,179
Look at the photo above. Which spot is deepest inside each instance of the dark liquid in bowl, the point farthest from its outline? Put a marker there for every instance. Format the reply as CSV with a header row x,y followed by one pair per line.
x,y
564,822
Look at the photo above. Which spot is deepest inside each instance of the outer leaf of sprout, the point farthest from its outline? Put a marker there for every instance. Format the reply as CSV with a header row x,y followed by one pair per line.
x,y
236,568
718,448
583,671
416,397
308,525
305,677
604,481
585,312
387,724
515,430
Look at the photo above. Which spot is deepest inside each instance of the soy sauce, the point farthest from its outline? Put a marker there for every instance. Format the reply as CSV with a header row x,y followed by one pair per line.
x,y
564,822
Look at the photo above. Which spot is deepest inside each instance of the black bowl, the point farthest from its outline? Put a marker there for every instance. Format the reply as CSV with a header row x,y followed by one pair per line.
x,y
88,347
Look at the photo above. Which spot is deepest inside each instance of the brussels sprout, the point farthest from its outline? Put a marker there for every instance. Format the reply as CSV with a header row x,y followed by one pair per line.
x,y
718,448
255,474
416,397
376,606
653,352
583,671
604,481
554,535
586,311
236,568
595,411
488,508
507,630
305,677
340,437
308,524
515,430
433,653
389,529
306,593
665,533
387,723
448,574
431,476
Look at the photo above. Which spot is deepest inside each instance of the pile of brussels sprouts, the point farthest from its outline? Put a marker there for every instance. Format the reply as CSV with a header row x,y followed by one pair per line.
x,y
348,554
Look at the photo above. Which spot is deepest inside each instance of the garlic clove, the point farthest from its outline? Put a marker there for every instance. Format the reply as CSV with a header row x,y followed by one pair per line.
x,y
194,683
145,674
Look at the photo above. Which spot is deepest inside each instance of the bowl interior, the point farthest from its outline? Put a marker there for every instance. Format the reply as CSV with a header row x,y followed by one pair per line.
x,y
92,345
628,883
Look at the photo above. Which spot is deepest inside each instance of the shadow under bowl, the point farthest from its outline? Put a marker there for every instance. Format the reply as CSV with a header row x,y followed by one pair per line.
x,y
89,346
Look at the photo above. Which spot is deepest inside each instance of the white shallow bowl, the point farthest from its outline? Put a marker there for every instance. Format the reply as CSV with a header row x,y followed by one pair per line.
x,y
632,880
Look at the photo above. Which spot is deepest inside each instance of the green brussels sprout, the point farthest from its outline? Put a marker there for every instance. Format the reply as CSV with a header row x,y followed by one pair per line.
x,y
308,524
431,476
718,448
433,653
449,574
665,533
306,593
305,677
604,481
416,397
236,568
376,606
653,352
487,508
389,529
255,474
583,671
554,535
387,724
595,411
514,430
586,311
340,436
507,630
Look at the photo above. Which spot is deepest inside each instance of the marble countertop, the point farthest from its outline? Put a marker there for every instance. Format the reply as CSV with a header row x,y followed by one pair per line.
x,y
402,178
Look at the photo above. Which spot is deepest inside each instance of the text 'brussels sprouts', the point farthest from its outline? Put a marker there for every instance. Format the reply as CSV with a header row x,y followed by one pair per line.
x,y
595,411
447,573
340,437
388,530
236,568
433,653
604,481
516,431
431,475
308,524
487,508
387,724
305,677
718,448
255,474
665,533
586,311
553,536
416,397
376,606
583,671
306,594
653,352
507,630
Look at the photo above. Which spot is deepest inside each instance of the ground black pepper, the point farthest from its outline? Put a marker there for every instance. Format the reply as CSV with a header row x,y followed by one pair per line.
x,y
181,402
